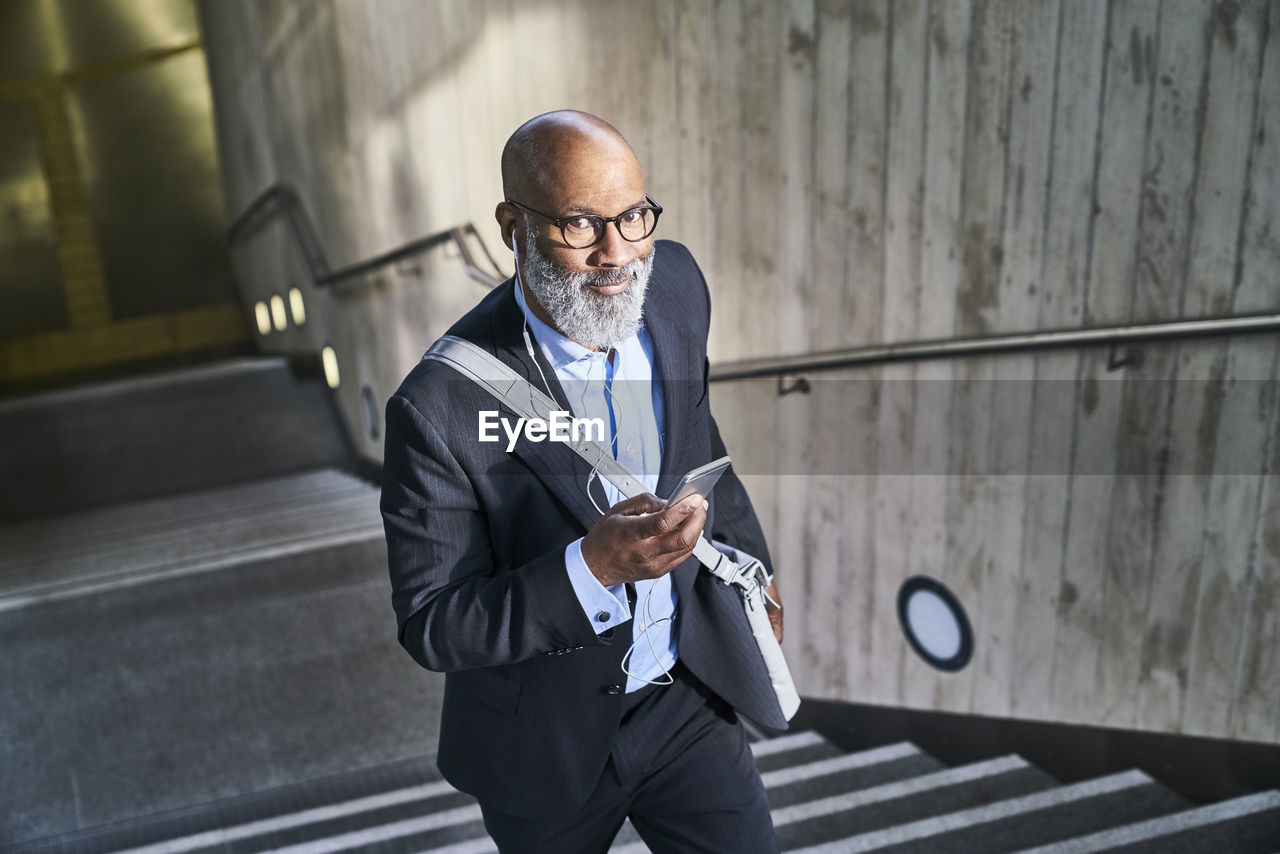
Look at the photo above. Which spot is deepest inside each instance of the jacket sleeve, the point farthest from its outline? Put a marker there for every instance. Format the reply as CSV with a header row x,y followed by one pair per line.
x,y
454,608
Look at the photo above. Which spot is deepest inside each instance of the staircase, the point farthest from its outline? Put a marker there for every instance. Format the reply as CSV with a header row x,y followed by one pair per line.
x,y
199,656
888,799
194,602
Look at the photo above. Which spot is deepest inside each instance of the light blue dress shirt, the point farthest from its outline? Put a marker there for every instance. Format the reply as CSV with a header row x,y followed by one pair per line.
x,y
626,394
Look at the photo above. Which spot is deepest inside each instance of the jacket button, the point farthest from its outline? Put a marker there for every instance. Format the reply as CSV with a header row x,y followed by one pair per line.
x,y
603,616
615,688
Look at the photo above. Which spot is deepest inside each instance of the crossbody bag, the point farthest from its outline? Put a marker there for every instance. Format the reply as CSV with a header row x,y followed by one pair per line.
x,y
741,571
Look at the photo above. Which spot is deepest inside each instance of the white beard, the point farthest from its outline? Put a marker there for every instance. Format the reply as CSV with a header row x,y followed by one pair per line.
x,y
592,319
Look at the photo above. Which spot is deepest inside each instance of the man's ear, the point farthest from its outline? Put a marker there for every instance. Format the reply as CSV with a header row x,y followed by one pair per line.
x,y
507,221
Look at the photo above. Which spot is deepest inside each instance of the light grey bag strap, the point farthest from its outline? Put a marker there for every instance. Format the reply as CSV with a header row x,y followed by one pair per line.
x,y
525,400
748,577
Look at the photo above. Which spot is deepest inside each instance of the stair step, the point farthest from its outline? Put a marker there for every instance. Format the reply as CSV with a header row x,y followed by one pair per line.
x,y
222,529
1242,826
473,846
410,816
836,764
907,801
179,541
824,817
163,434
464,831
35,539
261,829
997,826
414,831
812,782
792,749
93,551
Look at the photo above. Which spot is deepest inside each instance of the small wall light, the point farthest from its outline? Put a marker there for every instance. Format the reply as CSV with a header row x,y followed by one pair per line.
x,y
296,307
935,623
263,316
330,361
277,313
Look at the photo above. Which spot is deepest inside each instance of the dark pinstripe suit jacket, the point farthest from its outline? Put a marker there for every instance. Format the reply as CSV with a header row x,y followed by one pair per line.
x,y
476,539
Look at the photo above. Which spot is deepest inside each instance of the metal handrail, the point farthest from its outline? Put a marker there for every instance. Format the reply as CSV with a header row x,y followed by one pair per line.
x,y
284,196
1020,342
281,197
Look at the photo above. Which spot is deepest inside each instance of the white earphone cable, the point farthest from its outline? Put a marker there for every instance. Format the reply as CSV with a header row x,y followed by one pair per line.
x,y
648,622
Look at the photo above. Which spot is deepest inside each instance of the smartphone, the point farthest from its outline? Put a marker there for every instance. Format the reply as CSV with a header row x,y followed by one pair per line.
x,y
700,481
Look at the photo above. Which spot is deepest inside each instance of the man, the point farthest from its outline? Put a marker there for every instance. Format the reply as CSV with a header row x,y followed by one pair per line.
x,y
518,572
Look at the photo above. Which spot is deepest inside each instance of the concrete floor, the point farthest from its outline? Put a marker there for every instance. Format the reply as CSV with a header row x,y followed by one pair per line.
x,y
169,694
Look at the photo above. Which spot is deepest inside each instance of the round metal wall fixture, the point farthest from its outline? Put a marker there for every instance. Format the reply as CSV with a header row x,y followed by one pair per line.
x,y
935,623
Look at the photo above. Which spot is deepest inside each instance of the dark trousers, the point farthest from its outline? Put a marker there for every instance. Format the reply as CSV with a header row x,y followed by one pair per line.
x,y
680,768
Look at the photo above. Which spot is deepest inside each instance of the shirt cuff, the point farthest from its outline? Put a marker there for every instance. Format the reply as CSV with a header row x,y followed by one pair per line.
x,y
605,607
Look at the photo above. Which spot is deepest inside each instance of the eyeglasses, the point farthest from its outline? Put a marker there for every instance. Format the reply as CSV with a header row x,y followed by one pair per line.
x,y
582,231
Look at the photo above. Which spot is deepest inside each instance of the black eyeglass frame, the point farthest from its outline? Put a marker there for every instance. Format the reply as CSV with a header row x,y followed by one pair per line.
x,y
604,221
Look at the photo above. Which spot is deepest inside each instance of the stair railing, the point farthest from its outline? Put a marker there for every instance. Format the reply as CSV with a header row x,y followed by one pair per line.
x,y
281,199
1018,342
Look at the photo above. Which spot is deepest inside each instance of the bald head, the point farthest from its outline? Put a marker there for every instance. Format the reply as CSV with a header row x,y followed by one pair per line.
x,y
567,166
550,152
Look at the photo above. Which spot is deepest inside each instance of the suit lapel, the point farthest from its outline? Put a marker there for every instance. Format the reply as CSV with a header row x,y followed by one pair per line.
x,y
676,358
675,352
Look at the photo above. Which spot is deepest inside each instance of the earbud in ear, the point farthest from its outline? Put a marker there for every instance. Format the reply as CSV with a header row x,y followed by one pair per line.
x,y
515,252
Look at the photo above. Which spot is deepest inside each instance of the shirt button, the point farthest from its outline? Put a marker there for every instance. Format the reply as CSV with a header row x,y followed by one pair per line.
x,y
603,616
630,448
615,688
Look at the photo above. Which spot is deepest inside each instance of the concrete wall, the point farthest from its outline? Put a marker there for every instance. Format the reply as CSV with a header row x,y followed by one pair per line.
x,y
854,173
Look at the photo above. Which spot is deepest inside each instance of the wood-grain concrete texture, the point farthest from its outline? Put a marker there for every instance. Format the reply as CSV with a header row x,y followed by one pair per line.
x,y
851,173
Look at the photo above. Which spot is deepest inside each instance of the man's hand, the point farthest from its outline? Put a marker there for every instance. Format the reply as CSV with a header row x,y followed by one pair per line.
x,y
627,545
775,614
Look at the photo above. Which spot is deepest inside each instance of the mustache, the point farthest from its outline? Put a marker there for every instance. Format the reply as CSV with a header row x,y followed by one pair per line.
x,y
628,273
